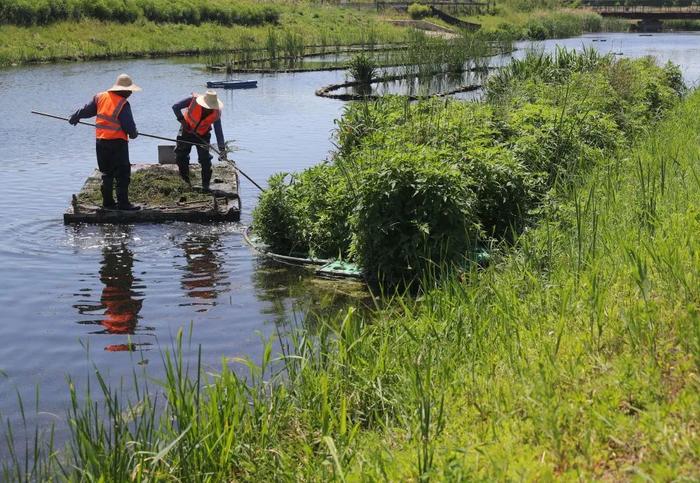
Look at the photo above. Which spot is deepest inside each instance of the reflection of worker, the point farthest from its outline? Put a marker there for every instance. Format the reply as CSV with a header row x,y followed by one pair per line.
x,y
115,125
203,112
203,269
121,308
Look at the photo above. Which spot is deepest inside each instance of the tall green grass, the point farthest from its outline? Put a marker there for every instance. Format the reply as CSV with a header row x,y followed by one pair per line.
x,y
43,12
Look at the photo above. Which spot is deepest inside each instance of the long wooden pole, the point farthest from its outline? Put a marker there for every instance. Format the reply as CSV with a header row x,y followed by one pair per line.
x,y
219,153
203,144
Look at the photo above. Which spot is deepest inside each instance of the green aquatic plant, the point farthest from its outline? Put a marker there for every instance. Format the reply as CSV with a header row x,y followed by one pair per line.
x,y
361,68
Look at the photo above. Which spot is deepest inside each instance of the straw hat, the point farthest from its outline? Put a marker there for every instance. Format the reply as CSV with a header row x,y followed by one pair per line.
x,y
124,83
209,100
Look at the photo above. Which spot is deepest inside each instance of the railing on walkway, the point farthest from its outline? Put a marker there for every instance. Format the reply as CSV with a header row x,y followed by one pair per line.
x,y
644,9
471,7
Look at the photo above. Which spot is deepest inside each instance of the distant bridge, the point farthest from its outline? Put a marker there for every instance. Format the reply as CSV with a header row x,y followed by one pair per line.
x,y
647,13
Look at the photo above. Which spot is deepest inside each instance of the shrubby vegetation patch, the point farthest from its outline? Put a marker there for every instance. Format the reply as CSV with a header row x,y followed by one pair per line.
x,y
417,185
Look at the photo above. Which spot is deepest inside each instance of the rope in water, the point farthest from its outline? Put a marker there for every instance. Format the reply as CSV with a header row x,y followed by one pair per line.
x,y
277,256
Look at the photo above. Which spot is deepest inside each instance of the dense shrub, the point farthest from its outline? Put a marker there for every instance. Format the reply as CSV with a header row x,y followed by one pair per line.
x,y
275,218
417,11
416,185
308,215
415,211
41,12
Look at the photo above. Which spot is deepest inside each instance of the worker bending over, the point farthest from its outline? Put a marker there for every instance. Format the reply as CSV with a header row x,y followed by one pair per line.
x,y
203,112
114,126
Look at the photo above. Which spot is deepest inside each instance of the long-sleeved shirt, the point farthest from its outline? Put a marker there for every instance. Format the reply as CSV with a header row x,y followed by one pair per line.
x,y
126,119
184,104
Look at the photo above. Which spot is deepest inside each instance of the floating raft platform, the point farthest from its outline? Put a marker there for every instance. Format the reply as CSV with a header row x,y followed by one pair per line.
x,y
233,84
222,204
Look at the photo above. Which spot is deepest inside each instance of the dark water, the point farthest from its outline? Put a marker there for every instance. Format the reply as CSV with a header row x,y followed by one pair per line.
x,y
120,293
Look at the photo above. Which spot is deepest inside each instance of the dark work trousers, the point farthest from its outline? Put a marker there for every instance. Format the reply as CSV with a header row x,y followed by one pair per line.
x,y
113,162
182,155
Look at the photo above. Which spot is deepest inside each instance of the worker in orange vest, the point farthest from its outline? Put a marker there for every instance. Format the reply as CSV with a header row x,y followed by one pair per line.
x,y
115,125
203,112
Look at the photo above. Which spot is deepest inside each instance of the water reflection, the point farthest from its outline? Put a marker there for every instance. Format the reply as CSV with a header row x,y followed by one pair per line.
x,y
121,297
289,290
204,278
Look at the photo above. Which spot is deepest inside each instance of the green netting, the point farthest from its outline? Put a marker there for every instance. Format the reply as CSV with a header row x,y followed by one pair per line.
x,y
339,268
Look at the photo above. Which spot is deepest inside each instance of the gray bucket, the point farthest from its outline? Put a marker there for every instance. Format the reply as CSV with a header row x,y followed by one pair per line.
x,y
166,154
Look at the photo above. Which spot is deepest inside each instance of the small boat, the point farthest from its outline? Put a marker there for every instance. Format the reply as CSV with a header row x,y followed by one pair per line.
x,y
233,84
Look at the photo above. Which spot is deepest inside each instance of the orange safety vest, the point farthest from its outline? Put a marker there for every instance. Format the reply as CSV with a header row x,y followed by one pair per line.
x,y
109,105
195,119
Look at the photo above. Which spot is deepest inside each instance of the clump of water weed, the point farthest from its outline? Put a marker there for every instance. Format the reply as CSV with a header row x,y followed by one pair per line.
x,y
362,68
155,185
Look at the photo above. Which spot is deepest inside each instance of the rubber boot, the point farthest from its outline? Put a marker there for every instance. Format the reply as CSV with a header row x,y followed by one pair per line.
x,y
123,196
183,167
106,189
206,178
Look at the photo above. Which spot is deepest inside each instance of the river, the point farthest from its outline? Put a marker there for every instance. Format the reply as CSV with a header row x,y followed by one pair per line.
x,y
79,297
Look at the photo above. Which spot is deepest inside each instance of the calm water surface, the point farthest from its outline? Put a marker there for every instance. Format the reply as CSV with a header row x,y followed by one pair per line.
x,y
78,297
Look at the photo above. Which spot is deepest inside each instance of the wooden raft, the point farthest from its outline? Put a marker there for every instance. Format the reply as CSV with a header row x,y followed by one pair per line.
x,y
224,204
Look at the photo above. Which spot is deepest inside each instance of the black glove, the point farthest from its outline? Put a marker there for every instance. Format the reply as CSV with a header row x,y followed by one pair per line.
x,y
73,120
135,135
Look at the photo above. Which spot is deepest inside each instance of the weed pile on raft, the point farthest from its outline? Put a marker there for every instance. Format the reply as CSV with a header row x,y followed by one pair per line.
x,y
414,186
575,357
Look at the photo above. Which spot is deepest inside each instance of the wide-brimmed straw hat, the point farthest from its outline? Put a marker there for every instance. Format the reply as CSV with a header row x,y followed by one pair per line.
x,y
209,100
124,83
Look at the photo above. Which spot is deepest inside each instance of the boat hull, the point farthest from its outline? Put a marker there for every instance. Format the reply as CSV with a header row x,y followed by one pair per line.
x,y
251,84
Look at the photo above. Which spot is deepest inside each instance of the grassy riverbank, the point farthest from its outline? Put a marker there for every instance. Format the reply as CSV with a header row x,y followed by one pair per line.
x,y
575,356
90,38
45,31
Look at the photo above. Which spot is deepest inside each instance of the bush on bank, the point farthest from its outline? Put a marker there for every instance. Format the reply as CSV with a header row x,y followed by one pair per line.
x,y
417,11
43,12
414,185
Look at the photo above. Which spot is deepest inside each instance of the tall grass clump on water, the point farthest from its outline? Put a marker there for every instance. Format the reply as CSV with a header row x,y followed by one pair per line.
x,y
361,68
422,185
425,56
